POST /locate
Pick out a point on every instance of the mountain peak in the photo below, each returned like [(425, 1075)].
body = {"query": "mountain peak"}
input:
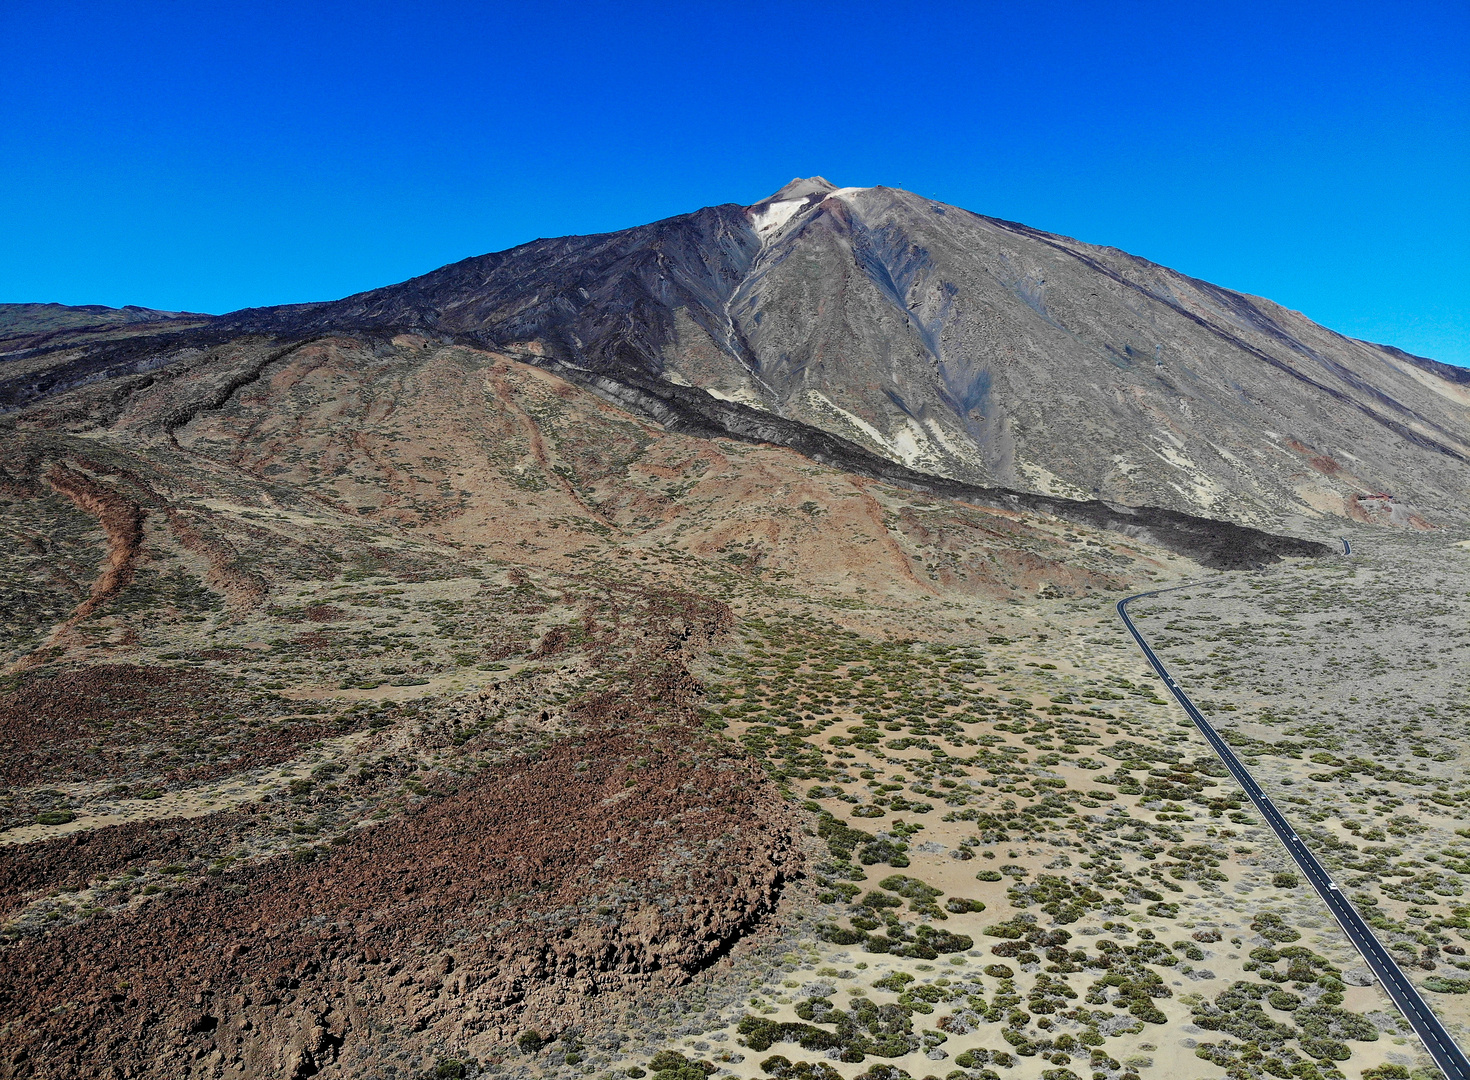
[(800, 188)]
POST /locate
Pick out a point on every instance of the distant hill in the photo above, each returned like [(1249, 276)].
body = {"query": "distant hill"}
[(18, 319)]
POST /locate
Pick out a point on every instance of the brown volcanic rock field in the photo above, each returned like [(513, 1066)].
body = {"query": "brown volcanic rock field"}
[(105, 722), (599, 863), (70, 863)]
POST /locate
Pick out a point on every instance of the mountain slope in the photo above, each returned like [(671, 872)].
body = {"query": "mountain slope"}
[(980, 348), (967, 347), (956, 345)]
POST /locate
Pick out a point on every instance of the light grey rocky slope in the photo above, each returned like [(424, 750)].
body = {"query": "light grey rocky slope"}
[(992, 352)]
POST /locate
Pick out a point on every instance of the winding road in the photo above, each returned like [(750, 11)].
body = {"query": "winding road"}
[(1449, 1057)]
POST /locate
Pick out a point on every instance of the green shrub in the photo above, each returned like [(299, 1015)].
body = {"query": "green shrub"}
[(884, 1072), (959, 906), (919, 894), (782, 1069), (894, 982), (840, 935), (884, 851), (761, 1034), (1273, 928), (1442, 984), (1146, 1011), (531, 1040), (1324, 1048), (932, 940), (672, 1065)]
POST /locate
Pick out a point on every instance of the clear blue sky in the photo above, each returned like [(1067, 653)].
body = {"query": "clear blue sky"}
[(209, 156)]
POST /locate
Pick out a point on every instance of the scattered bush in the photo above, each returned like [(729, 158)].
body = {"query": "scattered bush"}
[(531, 1040), (895, 981), (672, 1065), (1273, 927), (1442, 984), (782, 1069), (1386, 1072), (959, 906), (919, 894), (884, 1072)]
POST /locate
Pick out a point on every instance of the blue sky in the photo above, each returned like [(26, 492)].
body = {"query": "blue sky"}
[(210, 156)]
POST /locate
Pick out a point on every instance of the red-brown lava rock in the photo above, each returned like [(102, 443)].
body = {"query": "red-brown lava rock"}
[(131, 720), (71, 862), (606, 861)]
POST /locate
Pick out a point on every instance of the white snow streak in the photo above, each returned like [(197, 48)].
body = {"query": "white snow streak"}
[(768, 222)]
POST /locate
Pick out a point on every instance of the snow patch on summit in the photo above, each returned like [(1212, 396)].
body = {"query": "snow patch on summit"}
[(768, 222), (769, 218)]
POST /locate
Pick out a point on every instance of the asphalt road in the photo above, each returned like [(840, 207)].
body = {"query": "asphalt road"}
[(1449, 1057)]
